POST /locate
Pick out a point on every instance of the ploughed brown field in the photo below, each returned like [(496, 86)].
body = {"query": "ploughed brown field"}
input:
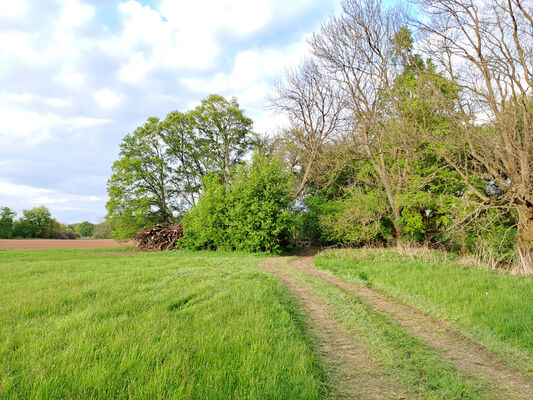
[(29, 244)]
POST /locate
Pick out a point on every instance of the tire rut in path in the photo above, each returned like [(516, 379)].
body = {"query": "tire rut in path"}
[(463, 353), (354, 373)]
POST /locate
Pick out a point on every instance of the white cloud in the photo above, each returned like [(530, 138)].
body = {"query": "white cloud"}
[(31, 98), (252, 79), (208, 16), (106, 98), (63, 60), (135, 70), (13, 9), (22, 128), (19, 45), (75, 13), (72, 79), (21, 196)]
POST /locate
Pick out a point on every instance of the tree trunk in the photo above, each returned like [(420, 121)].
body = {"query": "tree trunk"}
[(397, 223), (525, 239)]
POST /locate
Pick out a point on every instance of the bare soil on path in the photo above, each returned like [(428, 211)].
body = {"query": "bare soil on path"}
[(354, 374), (501, 381), (34, 244)]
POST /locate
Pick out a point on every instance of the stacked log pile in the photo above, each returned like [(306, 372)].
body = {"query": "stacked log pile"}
[(159, 238)]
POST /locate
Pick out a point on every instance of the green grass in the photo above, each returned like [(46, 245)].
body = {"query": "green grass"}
[(175, 325), (494, 309)]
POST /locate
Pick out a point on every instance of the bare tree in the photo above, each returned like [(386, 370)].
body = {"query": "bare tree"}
[(315, 108), (358, 50), (486, 48)]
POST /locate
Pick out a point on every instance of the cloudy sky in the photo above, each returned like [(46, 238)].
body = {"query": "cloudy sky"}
[(78, 75)]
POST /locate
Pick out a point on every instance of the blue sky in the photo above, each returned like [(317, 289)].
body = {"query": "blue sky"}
[(77, 76)]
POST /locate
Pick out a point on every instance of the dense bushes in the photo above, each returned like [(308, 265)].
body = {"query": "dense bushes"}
[(252, 213)]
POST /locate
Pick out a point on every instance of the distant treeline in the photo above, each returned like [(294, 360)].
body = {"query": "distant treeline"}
[(39, 223)]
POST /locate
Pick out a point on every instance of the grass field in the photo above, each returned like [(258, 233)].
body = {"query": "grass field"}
[(494, 309), (115, 324), (90, 324)]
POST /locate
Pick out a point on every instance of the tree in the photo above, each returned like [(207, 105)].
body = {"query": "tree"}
[(316, 110), (190, 154), (84, 229), (486, 49), (159, 173), (35, 223), (102, 230), (142, 189), (6, 222), (251, 214), (224, 134)]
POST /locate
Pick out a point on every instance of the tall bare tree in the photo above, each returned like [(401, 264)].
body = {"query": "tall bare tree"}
[(315, 108), (486, 48)]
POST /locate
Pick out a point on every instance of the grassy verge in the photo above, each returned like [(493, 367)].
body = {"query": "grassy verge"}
[(86, 324), (494, 309)]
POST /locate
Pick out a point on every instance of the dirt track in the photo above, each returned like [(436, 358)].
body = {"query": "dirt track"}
[(355, 371), (29, 244)]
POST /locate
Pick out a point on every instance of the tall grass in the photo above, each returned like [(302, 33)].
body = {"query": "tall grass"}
[(178, 325), (493, 308)]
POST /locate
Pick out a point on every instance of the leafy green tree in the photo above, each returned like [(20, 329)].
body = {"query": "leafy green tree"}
[(102, 230), (22, 229), (260, 198), (161, 165), (35, 223), (84, 229), (61, 231), (142, 190), (190, 154), (6, 222), (205, 226), (224, 134)]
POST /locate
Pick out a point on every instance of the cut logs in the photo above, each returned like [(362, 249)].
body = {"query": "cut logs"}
[(159, 238)]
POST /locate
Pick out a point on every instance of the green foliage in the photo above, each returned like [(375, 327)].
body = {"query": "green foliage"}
[(141, 189), (60, 231), (259, 206), (205, 225), (307, 224), (360, 217), (102, 230), (35, 223), (252, 214), (85, 229), (6, 222), (161, 165), (224, 133)]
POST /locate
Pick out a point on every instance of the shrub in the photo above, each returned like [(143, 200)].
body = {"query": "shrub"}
[(251, 214), (205, 225)]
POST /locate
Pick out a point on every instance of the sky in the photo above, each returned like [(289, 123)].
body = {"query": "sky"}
[(76, 76)]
